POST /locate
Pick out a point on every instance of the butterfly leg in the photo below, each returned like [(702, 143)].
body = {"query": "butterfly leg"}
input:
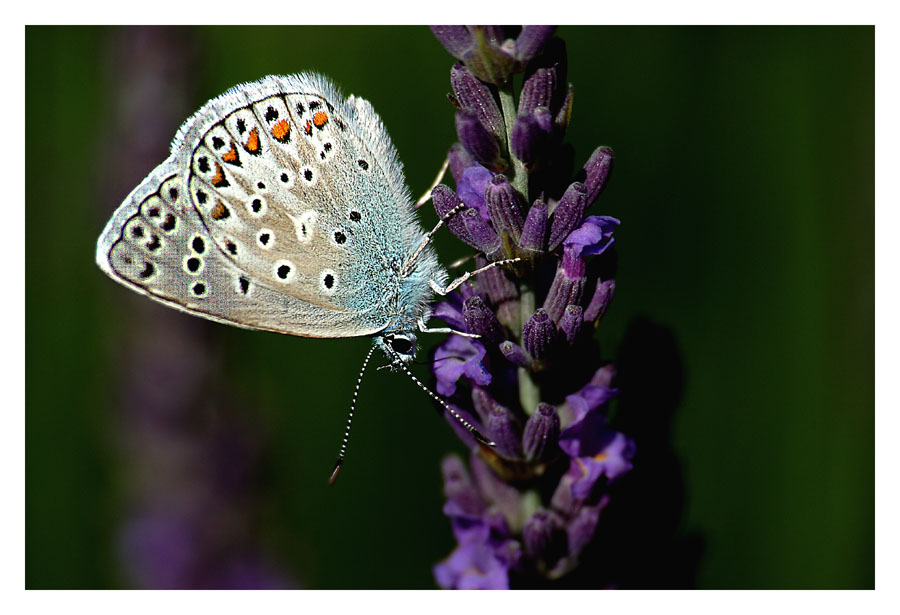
[(455, 283), (426, 329), (427, 196), (411, 263)]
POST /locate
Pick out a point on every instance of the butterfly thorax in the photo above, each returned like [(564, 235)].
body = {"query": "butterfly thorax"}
[(410, 305)]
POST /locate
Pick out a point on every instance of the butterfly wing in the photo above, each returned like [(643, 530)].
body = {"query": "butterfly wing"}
[(282, 207)]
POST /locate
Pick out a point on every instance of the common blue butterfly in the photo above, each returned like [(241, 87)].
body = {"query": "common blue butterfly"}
[(282, 207)]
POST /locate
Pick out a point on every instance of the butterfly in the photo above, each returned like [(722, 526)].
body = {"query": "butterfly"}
[(283, 207)]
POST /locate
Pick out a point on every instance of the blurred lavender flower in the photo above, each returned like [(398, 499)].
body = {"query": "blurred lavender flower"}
[(524, 511), (189, 463)]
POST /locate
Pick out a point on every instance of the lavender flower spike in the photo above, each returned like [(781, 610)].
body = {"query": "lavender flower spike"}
[(528, 507)]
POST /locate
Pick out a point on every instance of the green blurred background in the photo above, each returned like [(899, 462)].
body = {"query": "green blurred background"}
[(745, 184)]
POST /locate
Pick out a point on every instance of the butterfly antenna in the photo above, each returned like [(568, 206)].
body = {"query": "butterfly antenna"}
[(340, 461), (475, 433), (432, 362)]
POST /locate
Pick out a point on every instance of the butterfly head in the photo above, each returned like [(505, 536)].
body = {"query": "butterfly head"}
[(400, 347)]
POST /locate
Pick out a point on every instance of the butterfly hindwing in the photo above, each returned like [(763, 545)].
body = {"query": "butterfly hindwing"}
[(159, 247)]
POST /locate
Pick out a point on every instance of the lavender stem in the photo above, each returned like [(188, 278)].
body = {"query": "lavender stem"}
[(518, 177), (529, 393)]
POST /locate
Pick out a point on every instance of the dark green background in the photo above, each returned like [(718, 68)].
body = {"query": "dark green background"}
[(744, 180)]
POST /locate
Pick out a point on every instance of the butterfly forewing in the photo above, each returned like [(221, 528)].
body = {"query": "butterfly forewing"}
[(293, 195)]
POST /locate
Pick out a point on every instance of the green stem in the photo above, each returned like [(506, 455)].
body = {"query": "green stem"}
[(529, 394), (518, 177)]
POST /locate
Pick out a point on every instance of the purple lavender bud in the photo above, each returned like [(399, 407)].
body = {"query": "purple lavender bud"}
[(563, 498), (541, 439), (483, 402), (501, 292), (444, 200), (461, 432), (458, 487), (544, 537), (531, 40), (483, 236), (455, 39), (597, 170), (568, 214), (537, 91), (554, 55), (530, 136), (507, 498), (472, 94), (564, 114), (571, 322), (539, 334), (534, 233), (466, 290), (478, 140), (495, 284), (603, 377), (516, 354), (491, 57), (567, 286), (459, 160), (505, 430), (482, 321), (581, 529), (603, 295), (503, 205)]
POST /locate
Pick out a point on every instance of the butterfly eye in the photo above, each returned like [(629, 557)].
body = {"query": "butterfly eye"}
[(400, 345)]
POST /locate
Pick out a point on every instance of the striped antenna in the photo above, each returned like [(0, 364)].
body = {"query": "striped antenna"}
[(475, 433), (340, 461)]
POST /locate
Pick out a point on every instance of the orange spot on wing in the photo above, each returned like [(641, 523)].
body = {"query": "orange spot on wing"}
[(219, 211), (252, 144), (308, 128), (320, 119), (218, 179), (281, 130), (231, 156)]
